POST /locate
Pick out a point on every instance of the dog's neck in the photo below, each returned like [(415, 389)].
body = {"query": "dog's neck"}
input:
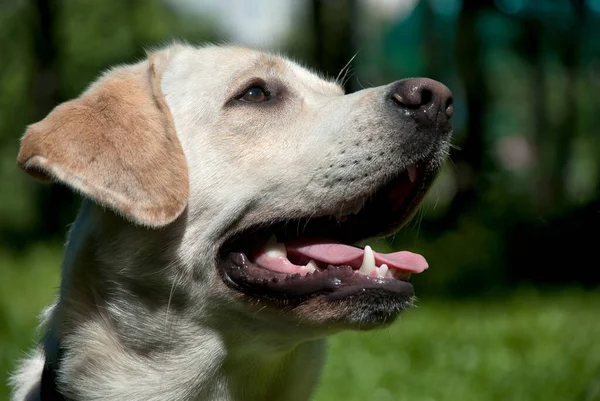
[(286, 376), (126, 335), (289, 376)]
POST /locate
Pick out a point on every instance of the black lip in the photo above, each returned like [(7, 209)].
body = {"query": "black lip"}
[(335, 282)]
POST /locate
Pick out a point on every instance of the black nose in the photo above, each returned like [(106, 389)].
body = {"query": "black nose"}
[(431, 101)]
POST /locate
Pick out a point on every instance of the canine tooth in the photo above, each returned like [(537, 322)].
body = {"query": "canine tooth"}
[(382, 270), (368, 263), (412, 172), (312, 265), (274, 249)]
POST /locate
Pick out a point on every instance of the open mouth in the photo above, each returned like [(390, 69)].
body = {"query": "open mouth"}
[(299, 259)]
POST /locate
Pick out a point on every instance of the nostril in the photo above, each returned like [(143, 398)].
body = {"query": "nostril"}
[(449, 107), (413, 99), (426, 96), (398, 99)]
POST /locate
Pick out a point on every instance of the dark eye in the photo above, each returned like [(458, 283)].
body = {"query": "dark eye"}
[(255, 95)]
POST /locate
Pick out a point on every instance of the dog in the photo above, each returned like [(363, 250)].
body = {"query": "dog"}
[(222, 187)]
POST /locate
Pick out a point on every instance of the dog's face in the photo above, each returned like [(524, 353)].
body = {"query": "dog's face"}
[(280, 156), (281, 173)]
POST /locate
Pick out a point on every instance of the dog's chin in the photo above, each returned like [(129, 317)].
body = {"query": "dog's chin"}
[(308, 267), (363, 310)]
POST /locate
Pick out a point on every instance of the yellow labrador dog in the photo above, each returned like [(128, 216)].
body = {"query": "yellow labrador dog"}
[(223, 188)]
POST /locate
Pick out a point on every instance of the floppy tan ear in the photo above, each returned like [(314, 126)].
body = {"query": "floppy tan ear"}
[(115, 144)]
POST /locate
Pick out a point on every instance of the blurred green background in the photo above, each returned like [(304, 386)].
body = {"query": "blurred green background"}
[(510, 308)]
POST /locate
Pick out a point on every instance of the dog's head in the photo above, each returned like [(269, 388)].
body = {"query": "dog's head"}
[(263, 171)]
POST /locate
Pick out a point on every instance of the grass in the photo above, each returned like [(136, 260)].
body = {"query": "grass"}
[(528, 346), (27, 284)]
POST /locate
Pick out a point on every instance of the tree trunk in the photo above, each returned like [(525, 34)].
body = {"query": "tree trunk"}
[(333, 24), (52, 200), (567, 129), (542, 139), (470, 160)]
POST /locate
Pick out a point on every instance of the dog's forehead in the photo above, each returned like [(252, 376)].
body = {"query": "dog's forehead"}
[(292, 73), (314, 81), (233, 62)]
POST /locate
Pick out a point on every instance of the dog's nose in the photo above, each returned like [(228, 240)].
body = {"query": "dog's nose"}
[(430, 100)]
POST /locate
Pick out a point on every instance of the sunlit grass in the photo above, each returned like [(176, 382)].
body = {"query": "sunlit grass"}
[(27, 284), (526, 347)]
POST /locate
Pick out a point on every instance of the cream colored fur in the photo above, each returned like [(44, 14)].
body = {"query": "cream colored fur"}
[(168, 170)]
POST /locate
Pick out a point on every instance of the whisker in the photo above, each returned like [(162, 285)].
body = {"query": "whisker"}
[(349, 74), (345, 68), (420, 215), (359, 83)]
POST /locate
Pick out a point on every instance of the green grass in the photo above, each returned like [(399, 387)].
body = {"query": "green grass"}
[(521, 348), (528, 347), (27, 284)]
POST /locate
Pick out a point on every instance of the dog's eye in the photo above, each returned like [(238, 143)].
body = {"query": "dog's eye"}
[(255, 94)]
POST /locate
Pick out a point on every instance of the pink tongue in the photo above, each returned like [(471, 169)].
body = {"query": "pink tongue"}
[(335, 253)]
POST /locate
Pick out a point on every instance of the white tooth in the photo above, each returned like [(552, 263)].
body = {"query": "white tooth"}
[(382, 270), (274, 249), (312, 265), (412, 172), (368, 263), (389, 274)]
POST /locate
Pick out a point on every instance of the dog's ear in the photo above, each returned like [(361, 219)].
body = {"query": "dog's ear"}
[(115, 144)]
